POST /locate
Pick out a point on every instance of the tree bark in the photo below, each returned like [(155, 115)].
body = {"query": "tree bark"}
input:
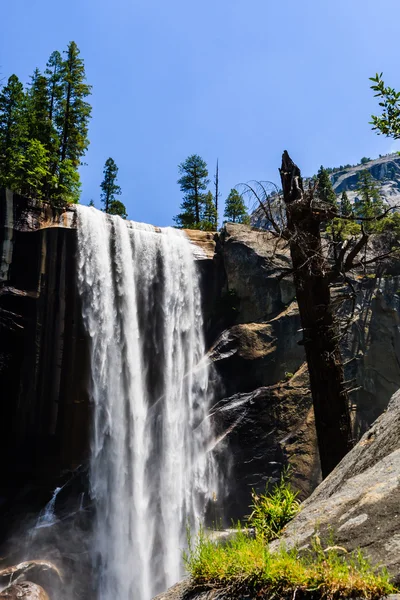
[(321, 335)]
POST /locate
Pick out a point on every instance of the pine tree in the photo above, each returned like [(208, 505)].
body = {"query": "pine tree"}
[(117, 208), (325, 192), (38, 121), (193, 182), (109, 185), (54, 73), (346, 208), (13, 132), (74, 112), (209, 214), (32, 170), (369, 204), (235, 208)]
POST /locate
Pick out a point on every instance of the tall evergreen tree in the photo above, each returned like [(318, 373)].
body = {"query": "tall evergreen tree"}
[(13, 131), (193, 182), (39, 125), (109, 185), (209, 214), (54, 74), (346, 208), (325, 191), (235, 208), (369, 204), (74, 113)]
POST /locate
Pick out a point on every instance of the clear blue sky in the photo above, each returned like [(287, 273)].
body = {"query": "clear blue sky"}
[(240, 80)]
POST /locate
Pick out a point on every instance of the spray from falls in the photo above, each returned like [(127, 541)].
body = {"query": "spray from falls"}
[(151, 474)]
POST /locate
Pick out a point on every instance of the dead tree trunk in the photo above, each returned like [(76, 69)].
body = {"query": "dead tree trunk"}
[(320, 333)]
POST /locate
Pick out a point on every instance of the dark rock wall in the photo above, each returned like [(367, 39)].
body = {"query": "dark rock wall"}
[(43, 354)]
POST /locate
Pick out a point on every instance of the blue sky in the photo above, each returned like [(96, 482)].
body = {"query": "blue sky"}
[(240, 80)]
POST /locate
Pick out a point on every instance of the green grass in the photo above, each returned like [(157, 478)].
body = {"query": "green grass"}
[(273, 509), (245, 565)]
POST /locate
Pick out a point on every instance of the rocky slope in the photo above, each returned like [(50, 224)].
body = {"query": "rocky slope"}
[(385, 170)]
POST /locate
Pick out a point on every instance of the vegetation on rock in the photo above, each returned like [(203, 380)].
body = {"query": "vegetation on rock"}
[(44, 130), (245, 564), (110, 189), (235, 208)]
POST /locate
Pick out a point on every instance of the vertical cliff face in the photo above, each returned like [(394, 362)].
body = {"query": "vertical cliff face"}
[(43, 353), (263, 413)]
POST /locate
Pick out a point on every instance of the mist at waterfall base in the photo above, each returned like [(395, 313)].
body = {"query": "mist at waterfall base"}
[(151, 474)]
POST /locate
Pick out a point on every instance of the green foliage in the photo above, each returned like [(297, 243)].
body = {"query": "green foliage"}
[(32, 170), (68, 188), (193, 182), (390, 224), (341, 229), (13, 130), (117, 208), (370, 204), (274, 509), (209, 214), (364, 160), (325, 191), (235, 208), (74, 112), (246, 567), (43, 131), (109, 186), (388, 123), (346, 209)]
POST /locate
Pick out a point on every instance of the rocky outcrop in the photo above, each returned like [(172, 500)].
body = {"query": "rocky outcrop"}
[(359, 501), (27, 580), (24, 591)]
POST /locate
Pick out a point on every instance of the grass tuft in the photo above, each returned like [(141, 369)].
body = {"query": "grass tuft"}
[(245, 565)]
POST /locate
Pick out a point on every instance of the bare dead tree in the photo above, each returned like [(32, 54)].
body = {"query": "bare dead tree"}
[(217, 193), (297, 217)]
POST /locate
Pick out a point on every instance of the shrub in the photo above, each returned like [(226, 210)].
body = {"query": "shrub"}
[(274, 509)]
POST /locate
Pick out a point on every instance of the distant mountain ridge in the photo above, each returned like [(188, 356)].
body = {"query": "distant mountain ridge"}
[(385, 170)]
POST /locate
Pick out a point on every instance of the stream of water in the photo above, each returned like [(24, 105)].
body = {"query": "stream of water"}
[(150, 474)]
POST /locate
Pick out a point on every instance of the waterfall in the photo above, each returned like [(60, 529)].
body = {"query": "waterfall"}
[(150, 473)]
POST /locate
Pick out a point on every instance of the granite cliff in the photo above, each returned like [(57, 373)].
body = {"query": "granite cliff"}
[(263, 414)]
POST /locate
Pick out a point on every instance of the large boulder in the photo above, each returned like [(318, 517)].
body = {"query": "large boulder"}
[(359, 503), (25, 590)]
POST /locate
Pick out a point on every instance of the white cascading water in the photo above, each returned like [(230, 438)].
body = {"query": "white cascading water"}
[(151, 474)]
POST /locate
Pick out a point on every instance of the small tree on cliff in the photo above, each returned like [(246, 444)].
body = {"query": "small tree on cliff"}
[(193, 182), (235, 208), (325, 192), (346, 208), (209, 214), (370, 203), (109, 185)]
